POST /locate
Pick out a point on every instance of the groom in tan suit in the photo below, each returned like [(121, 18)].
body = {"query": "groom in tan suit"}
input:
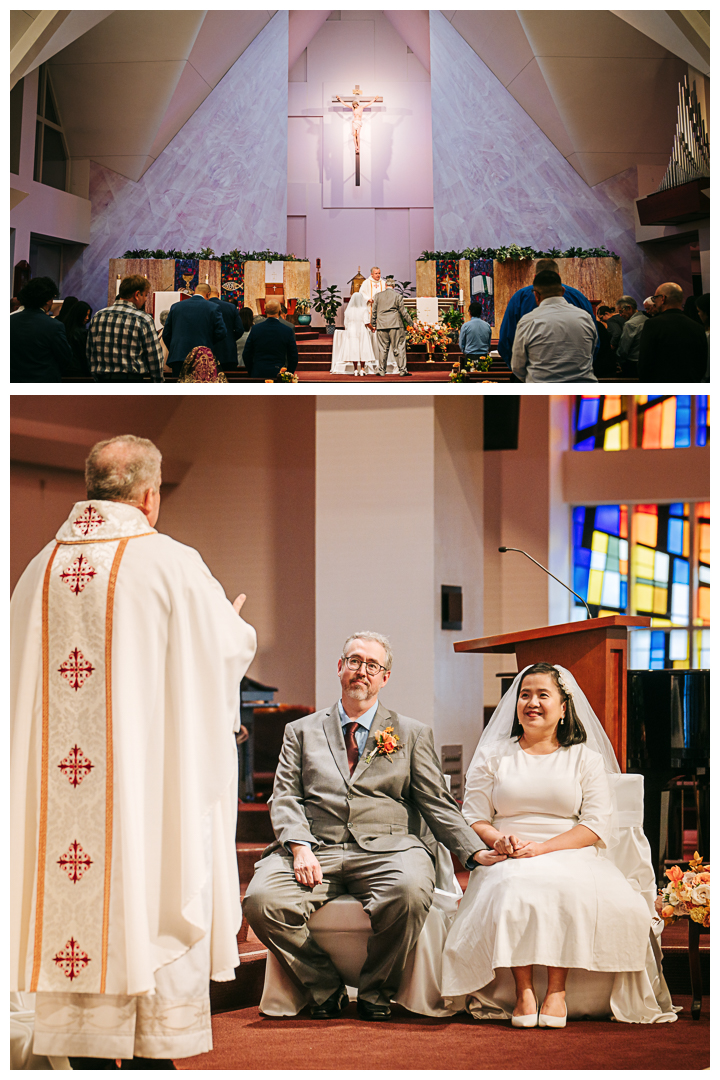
[(390, 317), (357, 809)]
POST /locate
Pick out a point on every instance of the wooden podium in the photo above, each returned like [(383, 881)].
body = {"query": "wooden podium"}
[(595, 651)]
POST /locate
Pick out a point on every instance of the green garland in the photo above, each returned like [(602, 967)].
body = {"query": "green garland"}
[(208, 253), (503, 254)]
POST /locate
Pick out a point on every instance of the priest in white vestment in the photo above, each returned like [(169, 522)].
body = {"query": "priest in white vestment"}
[(372, 286), (126, 663)]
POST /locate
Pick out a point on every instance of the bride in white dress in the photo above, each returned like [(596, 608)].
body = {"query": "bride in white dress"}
[(538, 792), (352, 347)]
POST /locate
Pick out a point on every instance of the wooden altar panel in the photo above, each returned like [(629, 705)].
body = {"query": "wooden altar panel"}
[(425, 279), (508, 277), (210, 268), (254, 284), (296, 280), (464, 282), (598, 279), (159, 272)]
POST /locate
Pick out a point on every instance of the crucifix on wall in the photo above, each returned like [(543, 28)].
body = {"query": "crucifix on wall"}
[(357, 105)]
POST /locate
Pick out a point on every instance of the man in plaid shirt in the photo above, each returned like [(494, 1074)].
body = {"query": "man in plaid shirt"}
[(122, 343)]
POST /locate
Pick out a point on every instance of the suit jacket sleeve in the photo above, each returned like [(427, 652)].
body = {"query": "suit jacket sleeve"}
[(436, 804), (406, 317), (645, 356), (249, 350), (373, 316), (287, 809), (238, 328), (219, 330), (167, 328), (292, 351), (508, 328)]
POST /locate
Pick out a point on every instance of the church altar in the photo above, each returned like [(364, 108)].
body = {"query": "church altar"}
[(597, 278), (248, 282)]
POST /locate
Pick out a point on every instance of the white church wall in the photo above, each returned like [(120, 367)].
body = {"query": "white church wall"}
[(389, 220)]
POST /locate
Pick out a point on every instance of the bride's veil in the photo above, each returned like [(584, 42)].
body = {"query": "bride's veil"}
[(357, 309), (498, 728)]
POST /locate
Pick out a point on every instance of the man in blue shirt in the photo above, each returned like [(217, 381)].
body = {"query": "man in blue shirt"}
[(475, 334), (524, 300)]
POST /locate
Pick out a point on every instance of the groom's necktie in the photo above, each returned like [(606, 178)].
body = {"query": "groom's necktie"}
[(351, 745)]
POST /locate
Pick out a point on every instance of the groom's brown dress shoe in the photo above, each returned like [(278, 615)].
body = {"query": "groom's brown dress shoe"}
[(331, 1008), (367, 1010)]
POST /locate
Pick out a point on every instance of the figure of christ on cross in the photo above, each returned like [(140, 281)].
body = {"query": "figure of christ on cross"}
[(357, 111)]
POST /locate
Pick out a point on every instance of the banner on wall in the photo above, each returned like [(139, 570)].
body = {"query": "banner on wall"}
[(447, 279), (481, 288), (232, 282), (187, 273)]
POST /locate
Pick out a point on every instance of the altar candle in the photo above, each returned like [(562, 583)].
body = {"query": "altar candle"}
[(461, 296), (117, 285), (207, 280)]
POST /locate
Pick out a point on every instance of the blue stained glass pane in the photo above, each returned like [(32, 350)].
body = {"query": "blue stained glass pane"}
[(588, 413), (675, 536), (623, 594), (581, 577), (701, 413), (586, 444), (654, 397), (683, 401), (677, 509), (607, 519), (579, 514), (681, 571), (682, 436), (582, 556), (657, 639)]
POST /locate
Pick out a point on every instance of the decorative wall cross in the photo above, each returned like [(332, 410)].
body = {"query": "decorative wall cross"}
[(357, 107)]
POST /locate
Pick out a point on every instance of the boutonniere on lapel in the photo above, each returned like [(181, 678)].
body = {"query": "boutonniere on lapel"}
[(386, 742)]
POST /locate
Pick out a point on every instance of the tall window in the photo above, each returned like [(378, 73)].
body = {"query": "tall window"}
[(648, 422), (652, 560), (50, 151)]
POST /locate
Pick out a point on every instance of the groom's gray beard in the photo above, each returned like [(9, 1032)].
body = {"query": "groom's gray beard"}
[(359, 692)]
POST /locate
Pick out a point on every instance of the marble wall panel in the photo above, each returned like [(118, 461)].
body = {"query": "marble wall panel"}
[(254, 284), (498, 179), (296, 280), (220, 183)]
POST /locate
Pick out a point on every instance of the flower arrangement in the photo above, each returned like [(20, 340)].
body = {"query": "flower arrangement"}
[(430, 334), (386, 742), (452, 318), (287, 376), (459, 373), (514, 251), (687, 894)]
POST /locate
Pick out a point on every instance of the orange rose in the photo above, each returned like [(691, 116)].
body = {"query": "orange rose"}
[(389, 745), (674, 873), (667, 911)]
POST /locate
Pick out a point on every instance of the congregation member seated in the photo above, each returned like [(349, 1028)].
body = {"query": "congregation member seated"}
[(192, 322), (475, 334), (227, 350), (628, 347), (523, 301), (201, 366), (539, 792), (673, 347), (270, 345), (246, 318), (39, 348), (76, 324), (555, 341)]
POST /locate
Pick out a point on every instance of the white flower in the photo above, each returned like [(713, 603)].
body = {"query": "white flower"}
[(701, 894)]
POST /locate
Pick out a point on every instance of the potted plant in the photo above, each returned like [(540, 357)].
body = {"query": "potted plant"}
[(328, 302), (453, 320), (302, 307)]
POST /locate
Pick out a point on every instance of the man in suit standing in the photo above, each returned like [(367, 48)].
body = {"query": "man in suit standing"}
[(271, 344), (390, 318), (191, 323), (357, 813), (226, 354), (39, 348)]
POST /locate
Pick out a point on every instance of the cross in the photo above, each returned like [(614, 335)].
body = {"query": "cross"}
[(76, 669), (78, 574), (75, 862), (447, 281), (357, 107), (89, 521), (71, 959), (75, 766)]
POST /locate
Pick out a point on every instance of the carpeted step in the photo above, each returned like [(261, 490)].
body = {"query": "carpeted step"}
[(247, 855), (253, 824)]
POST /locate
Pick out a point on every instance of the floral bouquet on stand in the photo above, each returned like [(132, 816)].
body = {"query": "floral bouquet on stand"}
[(459, 373), (287, 376), (430, 335), (687, 895)]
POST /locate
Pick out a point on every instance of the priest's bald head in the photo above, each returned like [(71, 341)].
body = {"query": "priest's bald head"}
[(126, 469)]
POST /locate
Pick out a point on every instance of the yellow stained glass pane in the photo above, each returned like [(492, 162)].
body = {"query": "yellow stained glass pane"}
[(703, 605), (625, 434), (644, 562), (607, 611), (641, 399), (643, 597), (683, 664), (657, 621), (645, 529), (686, 540), (667, 431), (704, 543), (595, 587), (613, 438), (599, 541), (612, 406), (659, 601)]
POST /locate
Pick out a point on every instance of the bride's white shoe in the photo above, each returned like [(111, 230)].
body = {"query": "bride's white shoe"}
[(547, 1021), (529, 1020)]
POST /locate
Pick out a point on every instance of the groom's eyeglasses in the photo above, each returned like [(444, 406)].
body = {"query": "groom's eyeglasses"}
[(355, 663)]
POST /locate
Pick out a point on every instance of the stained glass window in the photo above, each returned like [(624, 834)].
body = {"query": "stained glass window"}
[(668, 578), (659, 422), (601, 423)]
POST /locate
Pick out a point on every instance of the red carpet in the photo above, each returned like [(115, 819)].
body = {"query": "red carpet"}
[(244, 1040)]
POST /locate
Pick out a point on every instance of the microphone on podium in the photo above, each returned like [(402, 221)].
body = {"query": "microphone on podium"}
[(502, 550)]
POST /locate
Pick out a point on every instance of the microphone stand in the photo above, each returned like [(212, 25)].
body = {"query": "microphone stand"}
[(504, 549)]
